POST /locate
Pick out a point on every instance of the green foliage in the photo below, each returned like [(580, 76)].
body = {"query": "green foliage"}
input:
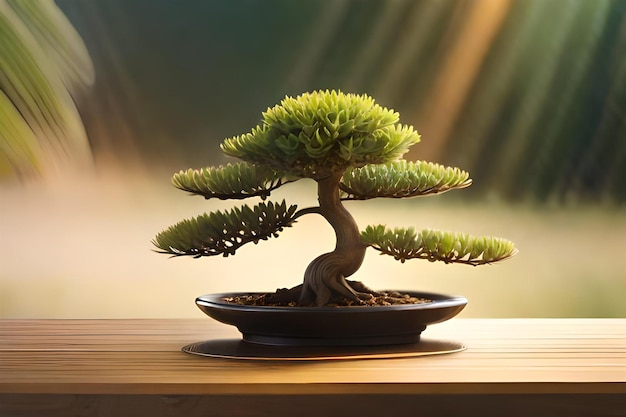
[(353, 148), (323, 132), (402, 179), (42, 62), (18, 145), (435, 245), (233, 181), (63, 46), (222, 233)]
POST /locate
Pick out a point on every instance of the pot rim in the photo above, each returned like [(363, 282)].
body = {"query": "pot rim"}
[(438, 301)]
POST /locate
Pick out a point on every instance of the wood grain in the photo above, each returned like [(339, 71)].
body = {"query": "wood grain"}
[(512, 367), (326, 405), (507, 356)]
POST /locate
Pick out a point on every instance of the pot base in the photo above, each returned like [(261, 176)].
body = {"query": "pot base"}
[(239, 349), (396, 339), (332, 326)]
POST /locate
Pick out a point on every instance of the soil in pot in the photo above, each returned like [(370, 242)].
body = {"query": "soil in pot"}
[(289, 297)]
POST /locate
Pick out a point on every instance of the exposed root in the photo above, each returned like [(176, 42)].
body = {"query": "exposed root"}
[(324, 278)]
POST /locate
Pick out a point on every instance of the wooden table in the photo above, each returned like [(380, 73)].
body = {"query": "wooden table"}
[(512, 367)]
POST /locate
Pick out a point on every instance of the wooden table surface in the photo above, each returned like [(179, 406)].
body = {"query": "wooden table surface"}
[(506, 358)]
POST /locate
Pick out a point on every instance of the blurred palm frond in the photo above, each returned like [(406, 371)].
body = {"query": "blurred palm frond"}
[(43, 62)]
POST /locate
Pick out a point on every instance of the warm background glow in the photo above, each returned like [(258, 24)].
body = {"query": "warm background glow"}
[(527, 95)]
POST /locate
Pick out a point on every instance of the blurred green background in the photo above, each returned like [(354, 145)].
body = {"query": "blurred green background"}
[(101, 101)]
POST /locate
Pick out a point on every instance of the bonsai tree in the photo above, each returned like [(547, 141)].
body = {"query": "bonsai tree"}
[(353, 148)]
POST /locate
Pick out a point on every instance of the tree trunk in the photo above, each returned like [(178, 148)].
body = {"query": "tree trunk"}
[(324, 278)]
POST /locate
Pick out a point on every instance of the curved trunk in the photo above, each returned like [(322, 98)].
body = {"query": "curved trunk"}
[(325, 276)]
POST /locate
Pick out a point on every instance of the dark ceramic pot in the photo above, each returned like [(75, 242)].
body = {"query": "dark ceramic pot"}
[(332, 326)]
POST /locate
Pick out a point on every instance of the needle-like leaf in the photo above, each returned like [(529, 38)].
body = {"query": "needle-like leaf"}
[(402, 179), (222, 233), (435, 245), (232, 181)]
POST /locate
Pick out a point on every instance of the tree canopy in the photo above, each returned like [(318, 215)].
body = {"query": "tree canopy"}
[(353, 149), (322, 132)]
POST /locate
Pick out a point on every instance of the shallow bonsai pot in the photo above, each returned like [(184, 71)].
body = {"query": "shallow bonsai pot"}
[(332, 326)]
